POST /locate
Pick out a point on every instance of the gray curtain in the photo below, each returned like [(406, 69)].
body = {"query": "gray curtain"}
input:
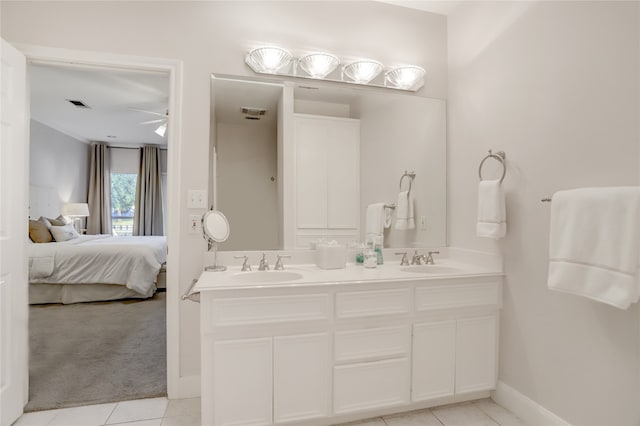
[(99, 220), (148, 218)]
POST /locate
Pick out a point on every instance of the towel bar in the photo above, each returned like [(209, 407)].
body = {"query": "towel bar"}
[(500, 156), (194, 296)]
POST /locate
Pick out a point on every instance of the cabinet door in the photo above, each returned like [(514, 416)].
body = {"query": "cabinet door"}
[(311, 173), (476, 354), (434, 355), (301, 377), (370, 385), (242, 388), (343, 174)]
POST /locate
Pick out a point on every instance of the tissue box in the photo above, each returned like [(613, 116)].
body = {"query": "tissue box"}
[(331, 255)]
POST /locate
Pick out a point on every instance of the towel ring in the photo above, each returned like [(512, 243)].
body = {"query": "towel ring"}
[(410, 175), (500, 156)]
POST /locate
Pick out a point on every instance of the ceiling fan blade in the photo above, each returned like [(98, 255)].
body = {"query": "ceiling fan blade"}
[(149, 112), (161, 120)]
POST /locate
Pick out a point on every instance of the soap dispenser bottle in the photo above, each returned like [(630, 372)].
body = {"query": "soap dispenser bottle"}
[(378, 249)]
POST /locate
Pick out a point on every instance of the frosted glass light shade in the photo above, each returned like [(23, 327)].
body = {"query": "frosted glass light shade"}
[(268, 59), (75, 209), (362, 71), (318, 65), (405, 77), (161, 130)]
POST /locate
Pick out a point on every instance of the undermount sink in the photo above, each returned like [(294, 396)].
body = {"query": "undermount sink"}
[(265, 277), (430, 269)]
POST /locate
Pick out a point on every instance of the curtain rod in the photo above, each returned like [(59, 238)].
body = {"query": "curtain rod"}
[(122, 147)]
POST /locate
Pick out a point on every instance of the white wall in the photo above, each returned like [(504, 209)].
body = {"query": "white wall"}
[(214, 37), (555, 85), (58, 161), (247, 156)]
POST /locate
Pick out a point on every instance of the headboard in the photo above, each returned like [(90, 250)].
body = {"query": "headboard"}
[(43, 201)]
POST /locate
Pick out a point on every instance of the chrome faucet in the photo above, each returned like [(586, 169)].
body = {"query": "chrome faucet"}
[(404, 261), (264, 265), (417, 258), (245, 265), (279, 265), (429, 259)]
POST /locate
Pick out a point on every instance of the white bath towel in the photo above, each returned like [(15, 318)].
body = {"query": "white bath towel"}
[(375, 220), (594, 244), (492, 216), (404, 211)]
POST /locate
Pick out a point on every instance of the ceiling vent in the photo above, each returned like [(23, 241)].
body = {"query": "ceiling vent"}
[(78, 104), (253, 113)]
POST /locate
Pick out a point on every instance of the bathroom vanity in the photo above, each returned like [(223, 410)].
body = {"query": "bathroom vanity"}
[(306, 346)]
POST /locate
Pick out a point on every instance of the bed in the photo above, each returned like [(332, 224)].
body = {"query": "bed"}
[(95, 268)]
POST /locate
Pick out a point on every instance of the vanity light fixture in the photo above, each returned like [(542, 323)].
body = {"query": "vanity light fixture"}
[(318, 65), (268, 60), (404, 77), (362, 72)]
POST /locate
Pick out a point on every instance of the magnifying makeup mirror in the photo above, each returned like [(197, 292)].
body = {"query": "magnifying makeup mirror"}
[(215, 229)]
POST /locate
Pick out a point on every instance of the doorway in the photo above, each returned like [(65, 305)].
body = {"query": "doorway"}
[(60, 57)]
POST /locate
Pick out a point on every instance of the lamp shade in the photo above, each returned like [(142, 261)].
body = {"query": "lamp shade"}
[(405, 77), (75, 209), (362, 72), (268, 59)]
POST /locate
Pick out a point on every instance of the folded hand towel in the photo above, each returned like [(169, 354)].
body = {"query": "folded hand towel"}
[(375, 219), (594, 244), (492, 217), (387, 217), (404, 211)]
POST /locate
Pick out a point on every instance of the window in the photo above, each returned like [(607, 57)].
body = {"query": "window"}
[(123, 199)]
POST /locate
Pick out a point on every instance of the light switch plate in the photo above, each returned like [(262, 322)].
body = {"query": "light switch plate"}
[(197, 199)]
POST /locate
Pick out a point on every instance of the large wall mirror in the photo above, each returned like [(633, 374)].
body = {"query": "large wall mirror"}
[(292, 163)]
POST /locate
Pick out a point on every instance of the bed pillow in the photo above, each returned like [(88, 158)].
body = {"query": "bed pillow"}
[(38, 232), (64, 233), (59, 221)]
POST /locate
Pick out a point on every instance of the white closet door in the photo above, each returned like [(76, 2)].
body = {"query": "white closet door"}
[(343, 174), (243, 386), (14, 166), (311, 173), (476, 354), (302, 375), (434, 354)]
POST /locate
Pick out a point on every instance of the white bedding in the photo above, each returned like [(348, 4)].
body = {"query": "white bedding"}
[(99, 259)]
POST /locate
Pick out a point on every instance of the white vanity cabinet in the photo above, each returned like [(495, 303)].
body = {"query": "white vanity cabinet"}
[(327, 178), (321, 353)]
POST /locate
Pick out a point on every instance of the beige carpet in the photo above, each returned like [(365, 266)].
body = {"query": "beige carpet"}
[(90, 353)]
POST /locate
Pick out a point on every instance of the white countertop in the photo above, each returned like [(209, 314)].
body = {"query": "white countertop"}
[(310, 275)]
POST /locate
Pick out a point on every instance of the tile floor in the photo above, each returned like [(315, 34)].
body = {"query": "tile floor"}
[(186, 412)]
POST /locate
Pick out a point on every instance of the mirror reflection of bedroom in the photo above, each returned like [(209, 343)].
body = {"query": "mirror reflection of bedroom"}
[(97, 245)]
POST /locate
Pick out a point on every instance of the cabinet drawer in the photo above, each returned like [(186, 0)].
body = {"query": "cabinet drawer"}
[(270, 309), (371, 344), (358, 387), (370, 303), (457, 296)]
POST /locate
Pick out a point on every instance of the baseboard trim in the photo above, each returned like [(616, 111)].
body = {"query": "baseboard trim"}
[(185, 387), (524, 407)]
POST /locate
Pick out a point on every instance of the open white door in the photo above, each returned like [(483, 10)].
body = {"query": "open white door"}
[(14, 167)]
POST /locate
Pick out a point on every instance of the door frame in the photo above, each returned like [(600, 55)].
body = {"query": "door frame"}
[(177, 387)]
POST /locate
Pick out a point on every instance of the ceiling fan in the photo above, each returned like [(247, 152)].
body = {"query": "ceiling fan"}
[(162, 128)]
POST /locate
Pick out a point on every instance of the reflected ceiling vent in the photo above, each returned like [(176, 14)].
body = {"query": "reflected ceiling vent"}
[(78, 104), (253, 113)]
